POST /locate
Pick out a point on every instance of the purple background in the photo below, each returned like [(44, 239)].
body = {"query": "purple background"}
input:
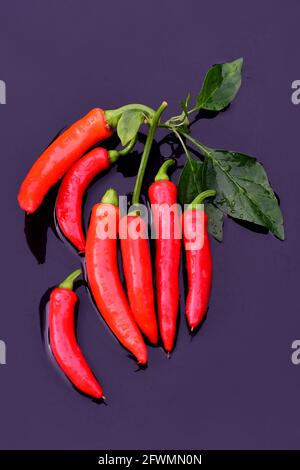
[(233, 385)]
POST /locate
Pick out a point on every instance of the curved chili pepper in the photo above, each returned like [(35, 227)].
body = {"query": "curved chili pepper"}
[(198, 259), (163, 198), (103, 275), (63, 341), (60, 155), (69, 199), (138, 274)]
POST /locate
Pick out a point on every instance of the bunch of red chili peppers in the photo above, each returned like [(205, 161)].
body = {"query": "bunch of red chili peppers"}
[(130, 315)]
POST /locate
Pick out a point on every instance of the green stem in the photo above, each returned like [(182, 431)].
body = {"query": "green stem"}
[(187, 136), (69, 281), (110, 197), (180, 118), (200, 198), (162, 172), (112, 116), (191, 111), (146, 153), (115, 154), (178, 134), (202, 147)]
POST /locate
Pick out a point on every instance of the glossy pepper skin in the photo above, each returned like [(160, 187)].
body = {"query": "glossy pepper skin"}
[(138, 274), (198, 262), (69, 201), (104, 280), (55, 161), (163, 195), (63, 342)]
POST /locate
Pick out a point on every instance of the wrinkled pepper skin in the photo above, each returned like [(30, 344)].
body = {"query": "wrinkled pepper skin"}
[(138, 275), (167, 260), (64, 345), (105, 284), (199, 267), (70, 195), (55, 161)]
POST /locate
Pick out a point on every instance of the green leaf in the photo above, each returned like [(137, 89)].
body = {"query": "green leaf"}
[(129, 124), (221, 84), (243, 189), (190, 185), (215, 221), (190, 181)]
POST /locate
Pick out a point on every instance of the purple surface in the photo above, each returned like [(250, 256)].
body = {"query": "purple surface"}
[(233, 385)]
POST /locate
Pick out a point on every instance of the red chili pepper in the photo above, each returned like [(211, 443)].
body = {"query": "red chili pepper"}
[(74, 184), (136, 253), (163, 198), (70, 195), (63, 341), (198, 259), (138, 274), (60, 155), (103, 275)]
